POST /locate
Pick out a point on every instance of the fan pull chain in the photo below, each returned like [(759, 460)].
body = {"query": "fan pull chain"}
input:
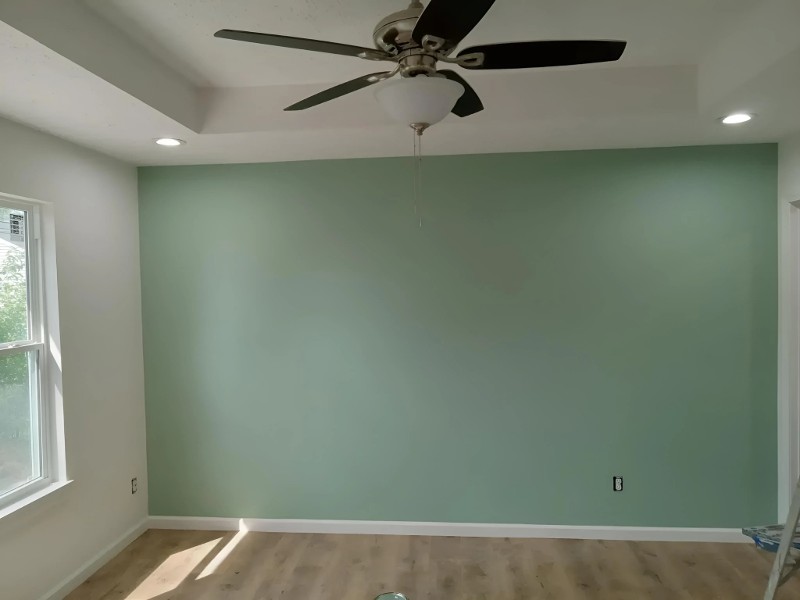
[(417, 174), (415, 179), (414, 174)]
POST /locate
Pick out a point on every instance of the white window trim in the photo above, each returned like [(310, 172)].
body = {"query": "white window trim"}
[(42, 281)]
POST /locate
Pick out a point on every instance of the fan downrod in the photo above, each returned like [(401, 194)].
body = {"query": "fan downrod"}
[(393, 33), (393, 36)]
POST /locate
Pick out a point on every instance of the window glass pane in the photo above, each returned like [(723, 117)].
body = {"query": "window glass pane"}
[(20, 452), (13, 276)]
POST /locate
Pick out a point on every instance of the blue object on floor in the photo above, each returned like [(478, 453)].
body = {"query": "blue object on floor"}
[(769, 538)]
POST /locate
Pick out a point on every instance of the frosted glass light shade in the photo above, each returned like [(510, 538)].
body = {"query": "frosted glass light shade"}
[(419, 100)]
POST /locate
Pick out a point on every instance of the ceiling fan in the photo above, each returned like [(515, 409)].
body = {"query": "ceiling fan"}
[(418, 38)]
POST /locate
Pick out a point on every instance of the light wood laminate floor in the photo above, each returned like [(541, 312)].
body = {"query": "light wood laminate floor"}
[(194, 565)]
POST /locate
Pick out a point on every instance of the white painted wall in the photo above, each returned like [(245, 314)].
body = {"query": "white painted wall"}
[(788, 321), (97, 242)]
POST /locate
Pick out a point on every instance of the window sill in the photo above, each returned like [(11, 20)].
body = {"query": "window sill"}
[(43, 494)]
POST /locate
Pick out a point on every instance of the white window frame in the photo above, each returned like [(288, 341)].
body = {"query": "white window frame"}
[(44, 342)]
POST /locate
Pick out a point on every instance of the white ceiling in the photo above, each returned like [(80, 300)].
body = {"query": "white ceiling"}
[(182, 32), (114, 74)]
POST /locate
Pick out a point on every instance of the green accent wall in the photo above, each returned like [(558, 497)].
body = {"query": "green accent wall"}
[(560, 318)]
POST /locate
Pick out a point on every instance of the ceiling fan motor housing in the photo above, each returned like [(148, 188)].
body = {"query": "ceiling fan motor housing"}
[(393, 33)]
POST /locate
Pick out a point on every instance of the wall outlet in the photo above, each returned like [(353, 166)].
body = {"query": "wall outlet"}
[(134, 485), (617, 482)]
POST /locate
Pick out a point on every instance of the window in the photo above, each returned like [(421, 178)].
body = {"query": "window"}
[(26, 435)]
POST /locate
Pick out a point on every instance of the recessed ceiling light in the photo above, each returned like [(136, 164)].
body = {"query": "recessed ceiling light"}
[(737, 118), (170, 142)]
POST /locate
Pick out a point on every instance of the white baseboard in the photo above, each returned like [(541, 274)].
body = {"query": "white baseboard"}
[(654, 534), (89, 568)]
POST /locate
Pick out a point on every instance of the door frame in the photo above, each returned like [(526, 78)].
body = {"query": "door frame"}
[(788, 352)]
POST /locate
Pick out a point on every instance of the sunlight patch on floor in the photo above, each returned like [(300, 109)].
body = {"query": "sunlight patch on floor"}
[(215, 562), (171, 573)]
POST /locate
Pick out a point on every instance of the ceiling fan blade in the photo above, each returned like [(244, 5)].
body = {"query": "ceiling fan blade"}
[(526, 55), (450, 20), (339, 90), (469, 103), (284, 41)]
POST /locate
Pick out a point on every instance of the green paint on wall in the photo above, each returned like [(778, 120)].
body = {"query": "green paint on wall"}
[(559, 319)]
